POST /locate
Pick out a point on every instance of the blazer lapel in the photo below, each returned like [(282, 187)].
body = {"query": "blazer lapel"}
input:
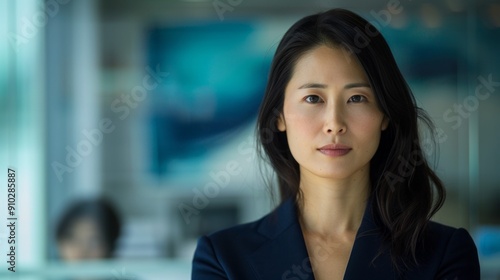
[(366, 246), (284, 255)]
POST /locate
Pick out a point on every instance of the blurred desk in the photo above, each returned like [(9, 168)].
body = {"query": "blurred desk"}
[(150, 270), (490, 268), (109, 270)]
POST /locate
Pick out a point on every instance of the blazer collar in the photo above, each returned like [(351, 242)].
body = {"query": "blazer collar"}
[(284, 254)]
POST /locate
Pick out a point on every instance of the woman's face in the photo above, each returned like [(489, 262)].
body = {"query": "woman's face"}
[(330, 115)]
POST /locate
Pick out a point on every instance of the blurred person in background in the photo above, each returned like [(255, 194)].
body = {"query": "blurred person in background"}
[(88, 230)]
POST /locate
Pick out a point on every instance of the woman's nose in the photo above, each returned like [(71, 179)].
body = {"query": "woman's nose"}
[(334, 120)]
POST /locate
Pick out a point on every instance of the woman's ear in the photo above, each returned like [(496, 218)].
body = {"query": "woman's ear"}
[(385, 123), (280, 123)]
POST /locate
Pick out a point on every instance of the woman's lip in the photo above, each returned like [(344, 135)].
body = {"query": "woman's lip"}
[(335, 150), (335, 147)]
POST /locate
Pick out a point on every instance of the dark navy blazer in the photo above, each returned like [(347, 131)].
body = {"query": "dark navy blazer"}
[(273, 248)]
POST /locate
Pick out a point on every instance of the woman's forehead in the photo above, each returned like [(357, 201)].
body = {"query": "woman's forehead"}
[(326, 65)]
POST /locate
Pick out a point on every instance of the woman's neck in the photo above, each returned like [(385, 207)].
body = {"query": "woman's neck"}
[(333, 207)]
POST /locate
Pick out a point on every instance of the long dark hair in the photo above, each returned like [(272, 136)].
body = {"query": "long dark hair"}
[(406, 192)]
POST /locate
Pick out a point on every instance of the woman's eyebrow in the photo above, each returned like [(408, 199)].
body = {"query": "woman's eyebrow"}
[(348, 86), (312, 85), (355, 85)]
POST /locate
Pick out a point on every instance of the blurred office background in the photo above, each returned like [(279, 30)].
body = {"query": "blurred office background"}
[(152, 104)]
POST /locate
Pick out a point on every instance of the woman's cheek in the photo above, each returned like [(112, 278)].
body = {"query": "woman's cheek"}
[(310, 124), (368, 117)]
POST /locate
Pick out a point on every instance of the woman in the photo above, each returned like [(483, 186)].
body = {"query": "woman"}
[(338, 124)]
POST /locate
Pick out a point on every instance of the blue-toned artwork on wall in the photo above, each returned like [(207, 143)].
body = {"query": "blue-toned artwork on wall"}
[(217, 73)]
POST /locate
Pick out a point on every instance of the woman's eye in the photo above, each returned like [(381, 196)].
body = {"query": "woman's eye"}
[(357, 99), (312, 99)]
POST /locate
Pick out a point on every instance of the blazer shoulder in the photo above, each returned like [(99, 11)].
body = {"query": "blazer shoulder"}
[(441, 231), (223, 254), (267, 227), (455, 252), (237, 231), (447, 237)]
